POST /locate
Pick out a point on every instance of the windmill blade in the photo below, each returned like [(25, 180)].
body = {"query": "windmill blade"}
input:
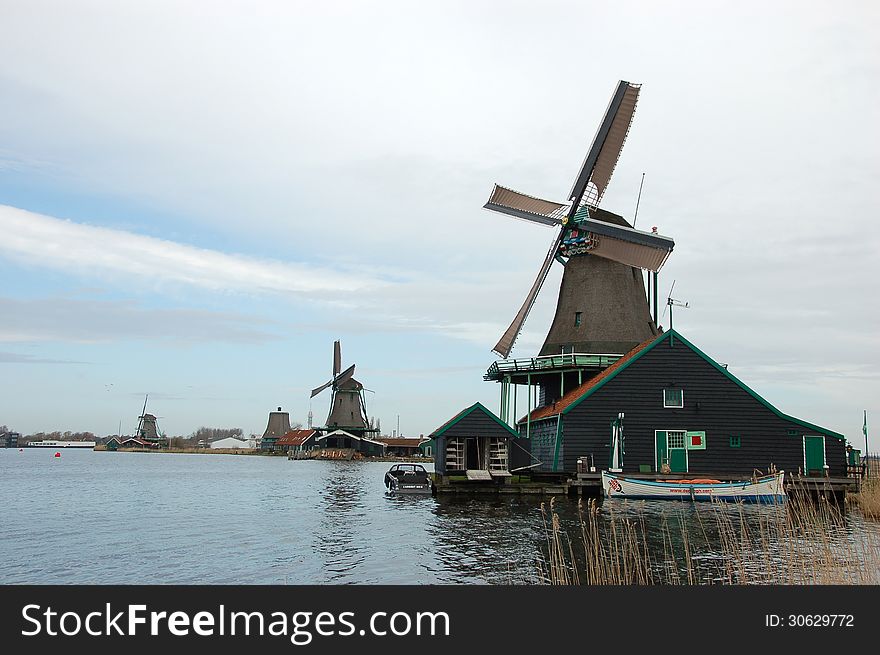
[(318, 390), (505, 343), (519, 205), (345, 376), (645, 250), (605, 151), (337, 358)]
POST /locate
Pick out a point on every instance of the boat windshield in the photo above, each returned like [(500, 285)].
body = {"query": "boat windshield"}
[(416, 468)]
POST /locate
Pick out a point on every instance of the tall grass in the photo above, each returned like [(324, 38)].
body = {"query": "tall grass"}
[(801, 542), (868, 498)]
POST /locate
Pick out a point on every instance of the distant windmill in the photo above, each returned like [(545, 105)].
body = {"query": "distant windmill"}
[(347, 404), (148, 429), (602, 306)]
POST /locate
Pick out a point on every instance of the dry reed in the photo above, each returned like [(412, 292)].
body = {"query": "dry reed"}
[(804, 541), (868, 498)]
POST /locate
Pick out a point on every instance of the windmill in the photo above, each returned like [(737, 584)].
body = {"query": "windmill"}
[(347, 404), (602, 306), (147, 429)]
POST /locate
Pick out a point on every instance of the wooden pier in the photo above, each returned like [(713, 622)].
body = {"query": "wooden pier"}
[(589, 485), (507, 486)]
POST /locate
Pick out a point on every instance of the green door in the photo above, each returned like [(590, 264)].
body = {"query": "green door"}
[(678, 460), (661, 457), (676, 445), (814, 455)]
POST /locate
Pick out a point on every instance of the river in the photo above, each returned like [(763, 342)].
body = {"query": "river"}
[(149, 518)]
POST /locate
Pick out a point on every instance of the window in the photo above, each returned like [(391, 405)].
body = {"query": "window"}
[(675, 439), (673, 398), (735, 441), (577, 319)]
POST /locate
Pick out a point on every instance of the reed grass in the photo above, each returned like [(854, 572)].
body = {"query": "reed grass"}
[(868, 498), (804, 541)]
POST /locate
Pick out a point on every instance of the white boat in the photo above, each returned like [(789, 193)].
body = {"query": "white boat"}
[(61, 444), (766, 489)]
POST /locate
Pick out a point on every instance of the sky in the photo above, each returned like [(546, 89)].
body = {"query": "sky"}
[(197, 199)]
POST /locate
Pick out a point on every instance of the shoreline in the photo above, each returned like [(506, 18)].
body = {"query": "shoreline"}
[(242, 451)]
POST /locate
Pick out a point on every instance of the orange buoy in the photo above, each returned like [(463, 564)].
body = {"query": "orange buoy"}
[(57, 454)]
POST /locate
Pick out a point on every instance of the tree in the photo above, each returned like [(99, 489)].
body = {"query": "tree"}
[(212, 434)]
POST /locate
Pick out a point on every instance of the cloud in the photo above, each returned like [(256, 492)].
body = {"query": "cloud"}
[(94, 321), (49, 242), (16, 358)]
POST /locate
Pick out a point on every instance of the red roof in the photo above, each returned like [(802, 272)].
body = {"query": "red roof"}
[(401, 441), (295, 437), (572, 396)]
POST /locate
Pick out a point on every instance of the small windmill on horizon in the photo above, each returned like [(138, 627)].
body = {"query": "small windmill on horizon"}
[(348, 407)]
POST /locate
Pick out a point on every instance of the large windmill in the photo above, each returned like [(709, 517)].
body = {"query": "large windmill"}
[(347, 404), (602, 308)]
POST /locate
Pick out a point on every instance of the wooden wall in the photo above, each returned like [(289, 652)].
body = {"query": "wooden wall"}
[(712, 403)]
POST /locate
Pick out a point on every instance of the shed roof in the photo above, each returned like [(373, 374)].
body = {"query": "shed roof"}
[(295, 437), (476, 407), (579, 391), (574, 397), (405, 442)]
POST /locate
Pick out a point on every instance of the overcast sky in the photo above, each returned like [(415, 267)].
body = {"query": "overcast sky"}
[(197, 198)]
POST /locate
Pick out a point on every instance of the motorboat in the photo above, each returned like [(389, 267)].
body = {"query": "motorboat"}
[(408, 479)]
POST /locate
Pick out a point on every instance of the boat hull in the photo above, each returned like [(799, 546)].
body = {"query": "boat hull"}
[(767, 489), (410, 488), (408, 484)]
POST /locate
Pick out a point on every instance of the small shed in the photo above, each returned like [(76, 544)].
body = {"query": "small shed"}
[(346, 440), (403, 446), (296, 441), (474, 443)]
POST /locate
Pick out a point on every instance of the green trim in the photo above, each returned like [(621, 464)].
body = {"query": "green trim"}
[(558, 442), (668, 335), (466, 412), (735, 441)]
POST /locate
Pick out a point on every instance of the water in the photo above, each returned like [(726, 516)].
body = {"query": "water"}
[(144, 518)]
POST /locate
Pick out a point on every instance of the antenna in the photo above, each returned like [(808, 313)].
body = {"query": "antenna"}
[(672, 302)]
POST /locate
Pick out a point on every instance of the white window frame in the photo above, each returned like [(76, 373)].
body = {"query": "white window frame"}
[(663, 392), (683, 434)]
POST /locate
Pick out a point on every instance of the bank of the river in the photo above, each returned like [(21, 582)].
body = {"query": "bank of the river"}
[(243, 451)]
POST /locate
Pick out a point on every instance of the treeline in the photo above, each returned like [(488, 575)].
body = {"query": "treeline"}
[(61, 436), (212, 434)]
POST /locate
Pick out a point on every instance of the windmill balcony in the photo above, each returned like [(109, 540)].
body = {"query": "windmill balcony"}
[(548, 363)]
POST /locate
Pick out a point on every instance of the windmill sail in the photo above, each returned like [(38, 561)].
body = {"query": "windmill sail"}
[(337, 358), (336, 381), (602, 157), (318, 390), (623, 244), (505, 343), (345, 376), (519, 205)]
